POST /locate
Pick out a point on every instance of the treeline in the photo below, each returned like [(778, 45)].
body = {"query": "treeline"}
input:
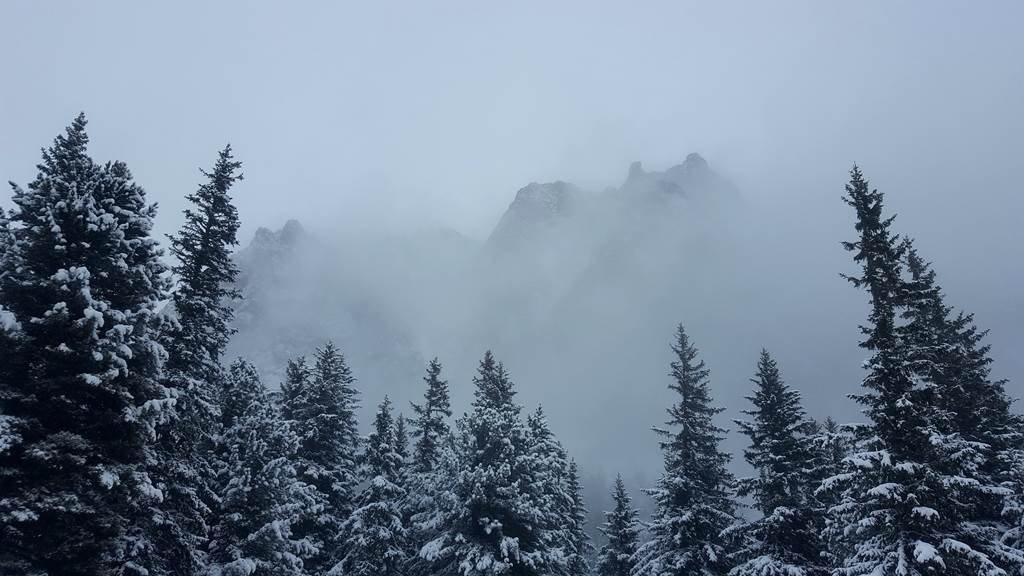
[(128, 447)]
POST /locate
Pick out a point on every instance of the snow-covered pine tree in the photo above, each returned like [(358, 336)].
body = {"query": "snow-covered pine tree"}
[(550, 485), (81, 285), (195, 336), (296, 379), (321, 406), (485, 516), (374, 536), (580, 547), (899, 510), (621, 528), (6, 240), (260, 493), (424, 480), (784, 540), (402, 439), (693, 498), (206, 274), (832, 443), (979, 432), (430, 423)]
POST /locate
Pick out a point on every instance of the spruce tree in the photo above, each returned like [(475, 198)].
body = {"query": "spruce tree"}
[(6, 241), (402, 439), (206, 273), (978, 432), (900, 509), (486, 518), (831, 444), (549, 486), (259, 490), (80, 287), (430, 420), (195, 337), (375, 535), (693, 500), (296, 380), (622, 530), (784, 540), (321, 406), (580, 547), (424, 479)]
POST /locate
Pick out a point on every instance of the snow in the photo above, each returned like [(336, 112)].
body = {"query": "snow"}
[(109, 479), (8, 323), (925, 553), (8, 436)]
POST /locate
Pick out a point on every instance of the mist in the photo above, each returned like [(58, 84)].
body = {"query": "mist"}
[(399, 137)]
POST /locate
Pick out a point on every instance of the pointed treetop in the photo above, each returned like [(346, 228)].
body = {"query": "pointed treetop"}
[(493, 386)]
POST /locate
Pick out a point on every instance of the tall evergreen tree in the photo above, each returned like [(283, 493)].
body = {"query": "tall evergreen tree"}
[(487, 519), (206, 273), (430, 420), (693, 500), (260, 493), (580, 547), (79, 290), (549, 486), (784, 540), (321, 404), (296, 380), (195, 337), (424, 478), (375, 535), (900, 510), (978, 430), (622, 529), (402, 439), (6, 240)]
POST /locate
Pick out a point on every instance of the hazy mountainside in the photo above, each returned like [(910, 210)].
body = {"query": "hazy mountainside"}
[(569, 283), (395, 300)]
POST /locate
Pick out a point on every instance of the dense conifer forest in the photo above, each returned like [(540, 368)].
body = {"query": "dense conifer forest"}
[(130, 444)]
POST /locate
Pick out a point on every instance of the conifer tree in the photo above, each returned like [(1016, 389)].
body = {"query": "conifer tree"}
[(260, 493), (195, 337), (622, 530), (375, 535), (80, 286), (430, 420), (6, 240), (425, 482), (206, 273), (784, 540), (580, 547), (900, 509), (321, 405), (549, 485), (831, 444), (486, 516), (978, 432), (693, 500), (401, 439), (296, 380)]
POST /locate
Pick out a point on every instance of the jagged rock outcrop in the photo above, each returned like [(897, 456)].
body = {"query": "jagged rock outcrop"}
[(535, 209)]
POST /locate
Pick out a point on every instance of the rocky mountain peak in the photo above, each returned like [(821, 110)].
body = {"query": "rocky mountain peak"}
[(535, 206)]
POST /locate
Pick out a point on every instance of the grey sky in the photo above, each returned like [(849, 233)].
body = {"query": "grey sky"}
[(450, 107), (419, 114)]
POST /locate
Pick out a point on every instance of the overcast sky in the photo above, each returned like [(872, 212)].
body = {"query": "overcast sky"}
[(443, 109), (433, 113)]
